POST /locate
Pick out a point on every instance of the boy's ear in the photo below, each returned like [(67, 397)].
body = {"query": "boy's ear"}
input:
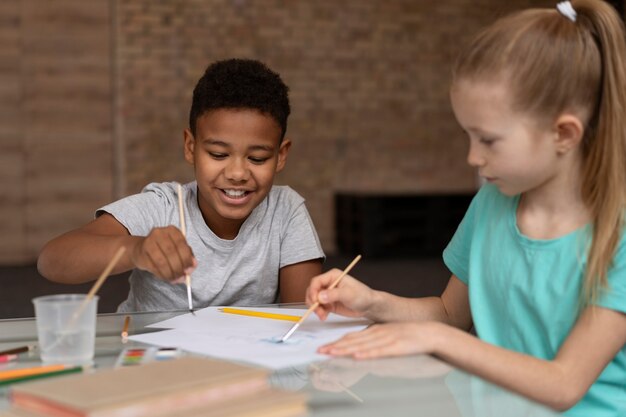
[(569, 132), (283, 151), (189, 144)]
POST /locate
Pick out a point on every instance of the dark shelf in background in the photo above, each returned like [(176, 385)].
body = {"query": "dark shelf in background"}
[(397, 226)]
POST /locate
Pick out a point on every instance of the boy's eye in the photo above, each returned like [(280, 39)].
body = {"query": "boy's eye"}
[(486, 141), (257, 160), (217, 155)]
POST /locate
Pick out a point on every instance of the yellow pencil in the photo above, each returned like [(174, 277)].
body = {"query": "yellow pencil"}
[(21, 372), (259, 314)]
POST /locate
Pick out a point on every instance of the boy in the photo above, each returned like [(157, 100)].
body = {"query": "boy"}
[(247, 242)]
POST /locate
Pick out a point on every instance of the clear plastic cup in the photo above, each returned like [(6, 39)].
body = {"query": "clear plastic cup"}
[(66, 328)]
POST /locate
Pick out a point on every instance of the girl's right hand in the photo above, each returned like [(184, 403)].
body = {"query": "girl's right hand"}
[(165, 253), (349, 298)]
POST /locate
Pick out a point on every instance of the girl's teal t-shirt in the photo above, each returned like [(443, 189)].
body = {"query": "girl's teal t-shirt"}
[(524, 293)]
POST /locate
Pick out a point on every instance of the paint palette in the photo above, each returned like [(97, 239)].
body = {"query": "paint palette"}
[(139, 356)]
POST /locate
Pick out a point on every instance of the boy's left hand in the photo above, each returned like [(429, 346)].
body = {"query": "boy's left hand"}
[(390, 339)]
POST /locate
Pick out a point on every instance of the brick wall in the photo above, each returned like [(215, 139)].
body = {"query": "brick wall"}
[(55, 119), (368, 79), (94, 96)]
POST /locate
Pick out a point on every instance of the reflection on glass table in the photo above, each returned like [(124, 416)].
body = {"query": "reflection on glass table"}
[(405, 386)]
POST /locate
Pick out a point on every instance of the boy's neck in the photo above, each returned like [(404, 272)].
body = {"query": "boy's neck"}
[(225, 229)]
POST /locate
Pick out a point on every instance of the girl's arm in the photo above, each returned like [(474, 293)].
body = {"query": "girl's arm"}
[(294, 280), (560, 383), (597, 337), (355, 299), (452, 307)]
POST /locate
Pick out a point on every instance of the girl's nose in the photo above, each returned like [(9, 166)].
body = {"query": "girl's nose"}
[(474, 156)]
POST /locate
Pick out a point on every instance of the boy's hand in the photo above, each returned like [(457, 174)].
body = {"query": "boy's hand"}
[(350, 298), (165, 253)]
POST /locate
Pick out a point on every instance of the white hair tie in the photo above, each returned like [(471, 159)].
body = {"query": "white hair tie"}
[(567, 10)]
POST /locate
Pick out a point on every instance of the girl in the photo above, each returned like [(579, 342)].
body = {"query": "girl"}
[(539, 261)]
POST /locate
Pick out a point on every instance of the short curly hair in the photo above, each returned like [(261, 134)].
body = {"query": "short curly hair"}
[(237, 84)]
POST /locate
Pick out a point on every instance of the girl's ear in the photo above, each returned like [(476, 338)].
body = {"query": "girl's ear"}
[(283, 151), (569, 132), (189, 143)]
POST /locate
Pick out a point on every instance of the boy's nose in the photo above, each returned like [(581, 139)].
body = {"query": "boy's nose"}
[(237, 170)]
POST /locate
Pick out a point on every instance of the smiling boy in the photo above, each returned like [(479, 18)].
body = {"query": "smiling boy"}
[(248, 242)]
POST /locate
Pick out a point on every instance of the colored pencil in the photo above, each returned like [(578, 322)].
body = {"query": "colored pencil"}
[(317, 303), (262, 314), (21, 372), (7, 358), (125, 328), (41, 375), (16, 350), (181, 212)]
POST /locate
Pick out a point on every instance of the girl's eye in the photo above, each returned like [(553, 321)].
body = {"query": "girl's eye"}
[(487, 141), (216, 155)]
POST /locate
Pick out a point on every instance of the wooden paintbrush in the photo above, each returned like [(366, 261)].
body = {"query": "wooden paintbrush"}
[(317, 303), (181, 212)]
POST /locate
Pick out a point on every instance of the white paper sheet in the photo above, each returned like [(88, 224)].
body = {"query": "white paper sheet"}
[(251, 339)]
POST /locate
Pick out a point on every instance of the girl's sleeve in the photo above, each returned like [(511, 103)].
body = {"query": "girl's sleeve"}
[(457, 254), (614, 297)]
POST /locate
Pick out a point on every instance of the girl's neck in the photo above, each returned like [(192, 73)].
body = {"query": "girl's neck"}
[(555, 208)]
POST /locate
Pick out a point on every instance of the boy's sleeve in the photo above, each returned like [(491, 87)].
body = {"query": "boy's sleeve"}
[(140, 213), (457, 254), (300, 242), (614, 297)]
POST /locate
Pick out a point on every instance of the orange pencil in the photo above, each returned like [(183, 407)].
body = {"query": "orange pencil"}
[(125, 328), (21, 372)]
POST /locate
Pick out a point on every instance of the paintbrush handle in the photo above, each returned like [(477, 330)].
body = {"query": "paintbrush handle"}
[(105, 273), (183, 229), (333, 285), (317, 303)]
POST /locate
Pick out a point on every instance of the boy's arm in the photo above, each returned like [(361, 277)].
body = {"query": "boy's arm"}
[(294, 280), (82, 254)]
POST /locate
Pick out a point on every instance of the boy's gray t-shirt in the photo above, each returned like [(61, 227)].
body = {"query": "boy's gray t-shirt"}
[(242, 271)]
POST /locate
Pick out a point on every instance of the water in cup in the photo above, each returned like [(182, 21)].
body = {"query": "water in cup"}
[(66, 347), (66, 325)]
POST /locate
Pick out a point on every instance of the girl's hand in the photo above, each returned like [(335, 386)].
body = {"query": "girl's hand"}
[(165, 253), (390, 339), (350, 298)]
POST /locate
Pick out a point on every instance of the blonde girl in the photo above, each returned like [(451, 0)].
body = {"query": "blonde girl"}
[(539, 261)]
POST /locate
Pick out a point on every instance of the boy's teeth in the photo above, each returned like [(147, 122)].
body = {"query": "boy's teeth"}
[(234, 193)]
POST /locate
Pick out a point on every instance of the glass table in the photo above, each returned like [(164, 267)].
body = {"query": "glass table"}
[(407, 386)]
